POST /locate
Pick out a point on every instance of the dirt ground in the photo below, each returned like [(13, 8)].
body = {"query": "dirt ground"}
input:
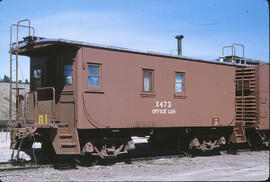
[(245, 166)]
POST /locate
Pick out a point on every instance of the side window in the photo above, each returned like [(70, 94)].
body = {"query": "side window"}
[(37, 77), (68, 74), (148, 80), (94, 75), (179, 83)]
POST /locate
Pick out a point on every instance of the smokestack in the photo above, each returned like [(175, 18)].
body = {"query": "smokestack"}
[(179, 44)]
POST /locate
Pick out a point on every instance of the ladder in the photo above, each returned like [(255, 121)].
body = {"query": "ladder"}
[(14, 50), (239, 133), (66, 140)]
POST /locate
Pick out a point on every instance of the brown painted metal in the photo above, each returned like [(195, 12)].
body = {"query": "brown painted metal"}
[(246, 107), (209, 91), (30, 106), (209, 98), (119, 102), (263, 96), (252, 100), (45, 106)]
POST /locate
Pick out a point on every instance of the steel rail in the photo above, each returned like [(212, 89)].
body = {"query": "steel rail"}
[(8, 166)]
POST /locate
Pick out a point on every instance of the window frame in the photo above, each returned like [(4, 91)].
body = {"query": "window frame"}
[(180, 94), (33, 81), (152, 80), (64, 76), (150, 93), (93, 88)]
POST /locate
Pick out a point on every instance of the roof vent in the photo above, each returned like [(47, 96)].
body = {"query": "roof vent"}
[(179, 44)]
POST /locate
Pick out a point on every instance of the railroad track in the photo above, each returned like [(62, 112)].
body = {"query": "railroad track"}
[(154, 158), (169, 156), (9, 166)]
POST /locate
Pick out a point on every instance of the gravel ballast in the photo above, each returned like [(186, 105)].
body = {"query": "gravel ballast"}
[(244, 166)]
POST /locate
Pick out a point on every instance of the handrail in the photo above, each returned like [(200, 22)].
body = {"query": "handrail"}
[(233, 50), (24, 26), (20, 21), (241, 45)]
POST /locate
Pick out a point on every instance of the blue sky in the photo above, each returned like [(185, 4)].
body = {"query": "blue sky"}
[(151, 25)]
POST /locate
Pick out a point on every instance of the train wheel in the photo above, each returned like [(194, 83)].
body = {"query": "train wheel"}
[(86, 160), (63, 162), (48, 150), (204, 146), (182, 146)]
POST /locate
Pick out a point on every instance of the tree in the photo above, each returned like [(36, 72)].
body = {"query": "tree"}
[(6, 79), (26, 80)]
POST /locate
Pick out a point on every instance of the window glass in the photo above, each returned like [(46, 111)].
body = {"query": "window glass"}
[(68, 75), (93, 70), (37, 75), (147, 81), (179, 77), (179, 82), (179, 87), (93, 76)]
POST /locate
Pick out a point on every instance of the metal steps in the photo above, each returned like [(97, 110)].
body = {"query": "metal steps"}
[(68, 145), (239, 133), (65, 135), (66, 140)]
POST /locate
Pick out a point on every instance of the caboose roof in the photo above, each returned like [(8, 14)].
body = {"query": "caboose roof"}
[(32, 43)]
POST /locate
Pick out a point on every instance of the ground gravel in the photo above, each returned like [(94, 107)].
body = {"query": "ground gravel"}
[(245, 166)]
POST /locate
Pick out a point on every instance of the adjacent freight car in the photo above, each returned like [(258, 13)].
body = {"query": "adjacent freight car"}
[(90, 99), (252, 100)]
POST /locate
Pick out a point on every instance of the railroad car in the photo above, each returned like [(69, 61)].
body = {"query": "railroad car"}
[(90, 99), (251, 102)]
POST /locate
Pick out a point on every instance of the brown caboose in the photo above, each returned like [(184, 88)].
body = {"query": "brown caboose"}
[(90, 99)]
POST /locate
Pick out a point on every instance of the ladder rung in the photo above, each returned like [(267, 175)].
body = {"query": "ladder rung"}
[(68, 145), (65, 135), (238, 135), (62, 125)]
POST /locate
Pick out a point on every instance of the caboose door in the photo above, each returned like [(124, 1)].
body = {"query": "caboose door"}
[(66, 103), (65, 140)]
